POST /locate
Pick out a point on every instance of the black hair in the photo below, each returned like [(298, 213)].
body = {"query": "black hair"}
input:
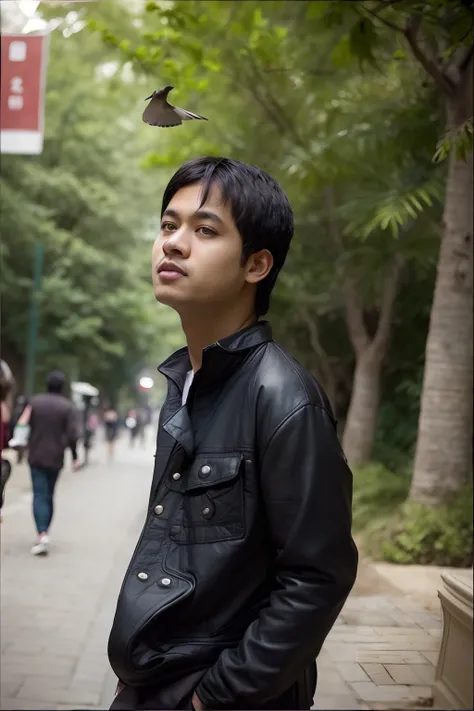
[(55, 381), (260, 209)]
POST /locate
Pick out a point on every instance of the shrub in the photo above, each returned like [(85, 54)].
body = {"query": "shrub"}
[(400, 531), (424, 535)]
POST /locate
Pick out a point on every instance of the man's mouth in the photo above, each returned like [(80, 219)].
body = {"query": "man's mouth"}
[(168, 271)]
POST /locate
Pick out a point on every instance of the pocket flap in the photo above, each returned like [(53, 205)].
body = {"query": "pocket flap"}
[(211, 470)]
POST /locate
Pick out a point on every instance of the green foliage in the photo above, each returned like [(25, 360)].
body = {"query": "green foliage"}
[(89, 203), (398, 531), (460, 139), (425, 535), (377, 492), (396, 210), (343, 108)]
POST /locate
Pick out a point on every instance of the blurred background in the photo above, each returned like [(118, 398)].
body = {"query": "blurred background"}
[(363, 112)]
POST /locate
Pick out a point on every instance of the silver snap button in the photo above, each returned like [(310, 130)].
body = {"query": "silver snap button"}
[(206, 511), (205, 470), (142, 576), (159, 509), (165, 581), (176, 476)]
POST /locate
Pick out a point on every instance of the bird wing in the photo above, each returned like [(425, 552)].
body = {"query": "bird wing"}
[(160, 113), (187, 115)]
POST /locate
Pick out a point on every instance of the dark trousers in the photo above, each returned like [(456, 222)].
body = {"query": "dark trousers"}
[(4, 477), (44, 482)]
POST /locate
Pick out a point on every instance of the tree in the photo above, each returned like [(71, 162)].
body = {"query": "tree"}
[(90, 204), (439, 35), (336, 143)]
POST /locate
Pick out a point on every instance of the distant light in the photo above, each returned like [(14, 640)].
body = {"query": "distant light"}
[(146, 383)]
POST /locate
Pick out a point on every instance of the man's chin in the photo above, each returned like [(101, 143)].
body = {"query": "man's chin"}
[(167, 298)]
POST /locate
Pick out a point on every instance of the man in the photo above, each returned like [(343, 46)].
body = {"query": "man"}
[(52, 429), (246, 555)]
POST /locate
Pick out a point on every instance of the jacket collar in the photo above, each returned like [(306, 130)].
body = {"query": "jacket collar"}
[(219, 361), (220, 358)]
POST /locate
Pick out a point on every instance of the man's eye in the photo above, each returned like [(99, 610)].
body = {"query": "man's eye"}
[(168, 226), (206, 231)]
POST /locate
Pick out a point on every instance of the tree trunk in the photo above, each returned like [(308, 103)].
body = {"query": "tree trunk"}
[(443, 460), (359, 430), (370, 351)]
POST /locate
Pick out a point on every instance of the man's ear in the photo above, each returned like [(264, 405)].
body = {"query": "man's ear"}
[(258, 266)]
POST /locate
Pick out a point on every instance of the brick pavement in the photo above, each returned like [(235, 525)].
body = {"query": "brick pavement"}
[(56, 611)]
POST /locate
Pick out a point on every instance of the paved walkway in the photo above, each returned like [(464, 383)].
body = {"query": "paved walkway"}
[(56, 612)]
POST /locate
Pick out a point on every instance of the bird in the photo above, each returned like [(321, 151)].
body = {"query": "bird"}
[(160, 113)]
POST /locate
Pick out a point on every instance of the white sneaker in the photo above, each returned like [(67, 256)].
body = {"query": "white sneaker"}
[(41, 548)]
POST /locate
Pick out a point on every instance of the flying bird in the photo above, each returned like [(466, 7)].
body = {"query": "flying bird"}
[(160, 113)]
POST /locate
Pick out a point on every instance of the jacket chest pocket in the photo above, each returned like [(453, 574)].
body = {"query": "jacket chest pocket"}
[(212, 505)]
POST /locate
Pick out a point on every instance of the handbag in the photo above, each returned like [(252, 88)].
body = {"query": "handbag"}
[(20, 437)]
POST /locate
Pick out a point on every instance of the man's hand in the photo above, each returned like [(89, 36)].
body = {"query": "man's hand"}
[(197, 704), (75, 465)]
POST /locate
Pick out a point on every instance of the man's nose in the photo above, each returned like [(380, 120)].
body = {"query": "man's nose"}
[(177, 242)]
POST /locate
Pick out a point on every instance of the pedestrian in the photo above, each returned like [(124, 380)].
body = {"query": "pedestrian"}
[(111, 430), (90, 426), (53, 428), (141, 425), (133, 425), (7, 384), (246, 556)]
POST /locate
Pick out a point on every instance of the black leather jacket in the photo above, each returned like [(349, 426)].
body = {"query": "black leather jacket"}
[(246, 556)]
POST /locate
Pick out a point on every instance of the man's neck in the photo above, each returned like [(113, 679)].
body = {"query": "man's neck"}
[(201, 332)]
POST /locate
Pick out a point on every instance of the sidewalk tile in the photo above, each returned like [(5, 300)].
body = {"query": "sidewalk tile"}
[(378, 674), (351, 671), (405, 674)]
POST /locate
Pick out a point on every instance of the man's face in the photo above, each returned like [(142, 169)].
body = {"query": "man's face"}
[(204, 244)]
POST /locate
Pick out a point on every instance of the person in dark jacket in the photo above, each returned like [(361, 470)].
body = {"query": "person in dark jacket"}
[(246, 555), (52, 430)]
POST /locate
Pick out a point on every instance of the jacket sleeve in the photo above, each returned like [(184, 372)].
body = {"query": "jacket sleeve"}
[(307, 491)]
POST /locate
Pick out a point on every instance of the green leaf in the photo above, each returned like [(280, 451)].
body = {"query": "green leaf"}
[(362, 40), (212, 65), (258, 20), (341, 55), (460, 138), (281, 32)]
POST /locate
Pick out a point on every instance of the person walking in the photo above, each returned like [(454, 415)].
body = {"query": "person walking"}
[(53, 429), (111, 430), (133, 425), (246, 555)]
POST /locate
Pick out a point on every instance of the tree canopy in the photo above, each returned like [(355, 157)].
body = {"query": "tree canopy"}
[(349, 105)]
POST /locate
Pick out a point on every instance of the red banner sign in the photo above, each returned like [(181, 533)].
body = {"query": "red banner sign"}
[(23, 75)]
